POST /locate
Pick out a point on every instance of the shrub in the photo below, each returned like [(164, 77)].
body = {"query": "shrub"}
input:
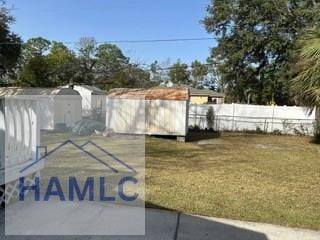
[(210, 118), (194, 128)]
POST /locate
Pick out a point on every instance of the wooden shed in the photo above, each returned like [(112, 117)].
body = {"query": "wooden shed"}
[(155, 111), (57, 107)]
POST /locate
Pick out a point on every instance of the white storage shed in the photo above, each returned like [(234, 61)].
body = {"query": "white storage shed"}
[(93, 99), (56, 106), (155, 111), (19, 137)]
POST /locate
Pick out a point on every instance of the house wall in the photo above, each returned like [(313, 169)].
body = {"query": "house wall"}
[(219, 100), (198, 99), (204, 100), (240, 117), (152, 117)]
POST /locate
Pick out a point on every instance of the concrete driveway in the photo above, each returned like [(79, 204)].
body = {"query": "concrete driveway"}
[(167, 225)]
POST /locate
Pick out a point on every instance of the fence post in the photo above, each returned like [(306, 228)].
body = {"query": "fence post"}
[(233, 111), (272, 126)]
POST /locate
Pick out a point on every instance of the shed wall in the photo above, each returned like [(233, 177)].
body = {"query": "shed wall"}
[(67, 110), (19, 134), (152, 117)]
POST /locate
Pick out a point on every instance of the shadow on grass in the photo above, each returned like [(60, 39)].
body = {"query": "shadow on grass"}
[(315, 140), (194, 136)]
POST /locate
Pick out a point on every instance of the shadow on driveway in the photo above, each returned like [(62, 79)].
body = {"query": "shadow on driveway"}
[(163, 225)]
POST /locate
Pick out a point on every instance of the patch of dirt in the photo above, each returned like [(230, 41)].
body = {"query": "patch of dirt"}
[(268, 146), (210, 142)]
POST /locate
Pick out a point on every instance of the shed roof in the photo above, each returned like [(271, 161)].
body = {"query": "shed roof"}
[(93, 89), (205, 92), (159, 93), (10, 91)]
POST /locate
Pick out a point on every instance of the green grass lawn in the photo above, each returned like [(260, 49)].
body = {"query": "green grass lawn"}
[(264, 178), (272, 179)]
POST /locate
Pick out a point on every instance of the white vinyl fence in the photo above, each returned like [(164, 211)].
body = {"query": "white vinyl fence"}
[(242, 117)]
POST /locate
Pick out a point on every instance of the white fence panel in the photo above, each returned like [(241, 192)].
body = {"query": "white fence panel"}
[(240, 117)]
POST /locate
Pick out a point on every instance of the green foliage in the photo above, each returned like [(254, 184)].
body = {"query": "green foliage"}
[(306, 85), (198, 72), (179, 73), (110, 63), (35, 47), (63, 64), (35, 73), (255, 43), (52, 64), (10, 44)]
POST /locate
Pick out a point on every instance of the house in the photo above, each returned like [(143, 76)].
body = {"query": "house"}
[(93, 99), (205, 96), (155, 111), (58, 108)]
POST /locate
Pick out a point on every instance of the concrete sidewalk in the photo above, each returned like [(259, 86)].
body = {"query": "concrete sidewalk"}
[(166, 225)]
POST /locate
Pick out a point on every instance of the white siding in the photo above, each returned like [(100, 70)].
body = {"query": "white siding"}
[(46, 112), (19, 135), (58, 109), (86, 98), (67, 110), (153, 117), (126, 115)]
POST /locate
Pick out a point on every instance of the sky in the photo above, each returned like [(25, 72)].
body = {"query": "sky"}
[(69, 20)]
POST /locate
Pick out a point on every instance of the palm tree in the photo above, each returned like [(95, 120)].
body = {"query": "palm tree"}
[(306, 84)]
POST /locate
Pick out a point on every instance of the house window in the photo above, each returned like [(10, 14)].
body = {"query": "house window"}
[(212, 100)]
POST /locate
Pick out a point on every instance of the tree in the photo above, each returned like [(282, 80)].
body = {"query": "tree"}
[(35, 47), (255, 41), (155, 72), (179, 73), (87, 48), (63, 64), (35, 70), (198, 72), (138, 77), (35, 73), (10, 44), (110, 62), (306, 84)]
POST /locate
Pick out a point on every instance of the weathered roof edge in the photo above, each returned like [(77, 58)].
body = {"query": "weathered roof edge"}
[(11, 91), (156, 93)]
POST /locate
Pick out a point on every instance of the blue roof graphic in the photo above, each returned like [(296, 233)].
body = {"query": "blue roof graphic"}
[(80, 147)]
